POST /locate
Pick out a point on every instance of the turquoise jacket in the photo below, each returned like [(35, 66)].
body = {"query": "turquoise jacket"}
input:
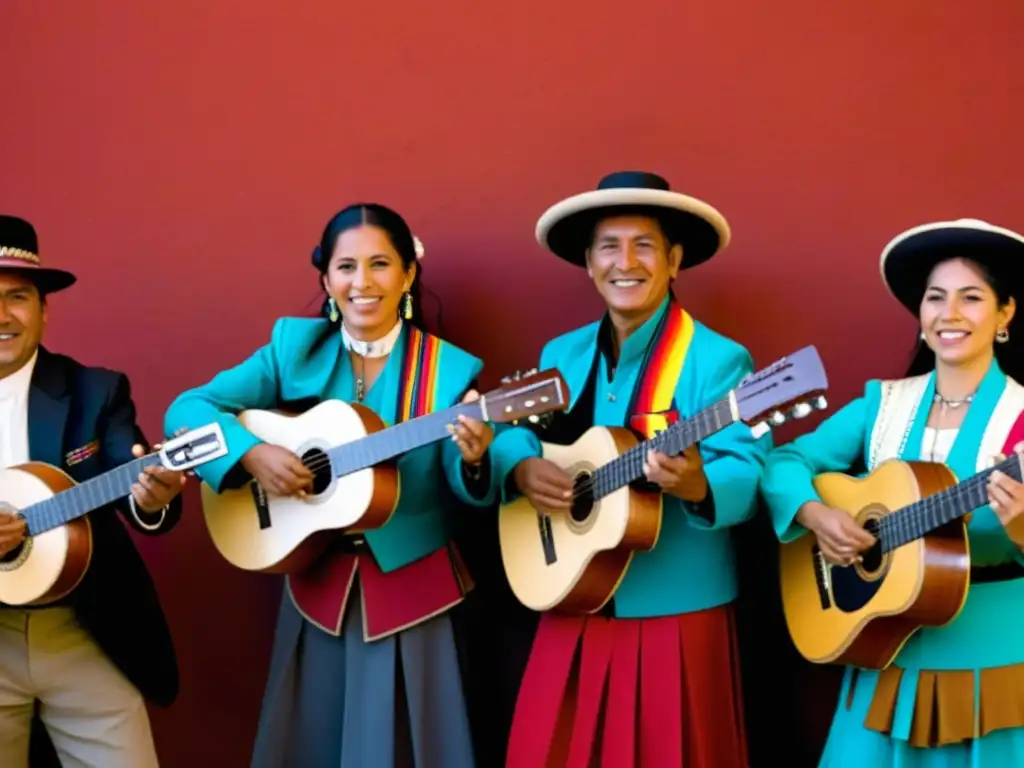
[(293, 368), (692, 567)]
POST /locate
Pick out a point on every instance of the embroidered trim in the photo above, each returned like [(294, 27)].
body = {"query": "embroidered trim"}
[(20, 254), (900, 400), (78, 455)]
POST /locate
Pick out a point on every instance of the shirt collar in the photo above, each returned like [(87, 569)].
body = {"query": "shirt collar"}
[(18, 382), (635, 346)]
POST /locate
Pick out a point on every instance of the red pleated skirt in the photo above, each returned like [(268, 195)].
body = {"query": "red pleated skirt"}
[(631, 693)]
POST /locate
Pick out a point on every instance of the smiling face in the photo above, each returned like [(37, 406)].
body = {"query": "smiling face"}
[(22, 319), (960, 314), (632, 265), (366, 278)]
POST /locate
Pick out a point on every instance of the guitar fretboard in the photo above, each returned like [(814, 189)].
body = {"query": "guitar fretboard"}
[(629, 466), (924, 516), (85, 497), (399, 439)]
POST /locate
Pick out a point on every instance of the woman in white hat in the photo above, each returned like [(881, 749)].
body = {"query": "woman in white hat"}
[(954, 695)]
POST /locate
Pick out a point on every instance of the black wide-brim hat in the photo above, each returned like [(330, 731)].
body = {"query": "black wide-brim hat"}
[(567, 227), (19, 253), (909, 258)]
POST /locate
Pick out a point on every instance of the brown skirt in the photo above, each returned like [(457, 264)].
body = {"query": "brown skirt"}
[(949, 705)]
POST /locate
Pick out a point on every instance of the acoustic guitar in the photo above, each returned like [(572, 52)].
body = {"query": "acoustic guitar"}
[(55, 554), (916, 575), (574, 561), (353, 458)]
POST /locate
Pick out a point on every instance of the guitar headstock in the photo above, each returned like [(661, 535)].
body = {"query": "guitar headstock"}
[(191, 448), (530, 395), (789, 388)]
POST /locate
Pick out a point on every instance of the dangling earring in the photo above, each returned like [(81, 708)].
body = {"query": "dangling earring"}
[(1002, 336), (333, 310), (407, 306)]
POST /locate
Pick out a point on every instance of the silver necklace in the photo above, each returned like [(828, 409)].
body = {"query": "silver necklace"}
[(378, 348), (952, 403)]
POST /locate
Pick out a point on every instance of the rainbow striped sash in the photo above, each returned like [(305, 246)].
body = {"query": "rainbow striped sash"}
[(418, 387), (652, 407)]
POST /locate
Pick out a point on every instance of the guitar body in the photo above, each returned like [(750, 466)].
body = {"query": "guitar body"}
[(46, 567), (574, 561), (286, 534), (863, 614)]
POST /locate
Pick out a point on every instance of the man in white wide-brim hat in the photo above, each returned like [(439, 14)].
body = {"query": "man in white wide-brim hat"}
[(659, 671)]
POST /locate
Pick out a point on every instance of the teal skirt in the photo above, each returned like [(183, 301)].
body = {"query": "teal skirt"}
[(947, 685)]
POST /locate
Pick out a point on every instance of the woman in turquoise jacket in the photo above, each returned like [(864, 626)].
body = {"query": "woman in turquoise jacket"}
[(954, 696), (364, 671)]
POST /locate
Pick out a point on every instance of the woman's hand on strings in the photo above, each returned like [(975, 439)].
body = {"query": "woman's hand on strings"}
[(1006, 497), (278, 470)]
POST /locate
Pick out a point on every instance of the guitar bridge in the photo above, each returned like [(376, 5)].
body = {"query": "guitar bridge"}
[(259, 499), (822, 578), (547, 540)]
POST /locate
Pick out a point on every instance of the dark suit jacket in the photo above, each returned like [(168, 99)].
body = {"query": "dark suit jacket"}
[(71, 406)]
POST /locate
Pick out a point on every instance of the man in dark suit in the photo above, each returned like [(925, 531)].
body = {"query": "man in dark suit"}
[(87, 662)]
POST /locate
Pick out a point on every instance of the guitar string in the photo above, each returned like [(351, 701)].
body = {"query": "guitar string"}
[(322, 459), (906, 524), (625, 462), (634, 456)]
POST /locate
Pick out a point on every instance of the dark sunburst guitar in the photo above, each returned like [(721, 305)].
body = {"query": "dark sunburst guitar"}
[(917, 574)]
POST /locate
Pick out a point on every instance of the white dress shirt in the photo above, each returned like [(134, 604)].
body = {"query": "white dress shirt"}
[(14, 414)]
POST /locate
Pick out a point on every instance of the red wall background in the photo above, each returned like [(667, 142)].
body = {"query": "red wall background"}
[(183, 158)]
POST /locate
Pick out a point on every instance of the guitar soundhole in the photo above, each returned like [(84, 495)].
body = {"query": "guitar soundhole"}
[(872, 561), (13, 555), (320, 464), (583, 498), (17, 556)]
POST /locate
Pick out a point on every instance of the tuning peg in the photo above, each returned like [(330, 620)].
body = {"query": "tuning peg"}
[(777, 418), (820, 403), (509, 379), (800, 410), (759, 430)]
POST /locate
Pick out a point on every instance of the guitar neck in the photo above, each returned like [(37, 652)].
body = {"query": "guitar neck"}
[(399, 439), (81, 499), (916, 520), (629, 466)]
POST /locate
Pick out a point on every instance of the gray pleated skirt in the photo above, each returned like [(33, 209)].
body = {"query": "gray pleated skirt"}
[(340, 702)]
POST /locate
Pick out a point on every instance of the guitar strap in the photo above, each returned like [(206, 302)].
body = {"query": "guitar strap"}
[(652, 407), (418, 385)]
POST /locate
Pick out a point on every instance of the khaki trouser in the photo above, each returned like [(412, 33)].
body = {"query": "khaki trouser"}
[(95, 717)]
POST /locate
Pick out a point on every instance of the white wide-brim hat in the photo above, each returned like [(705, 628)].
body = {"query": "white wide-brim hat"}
[(909, 258), (567, 227)]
